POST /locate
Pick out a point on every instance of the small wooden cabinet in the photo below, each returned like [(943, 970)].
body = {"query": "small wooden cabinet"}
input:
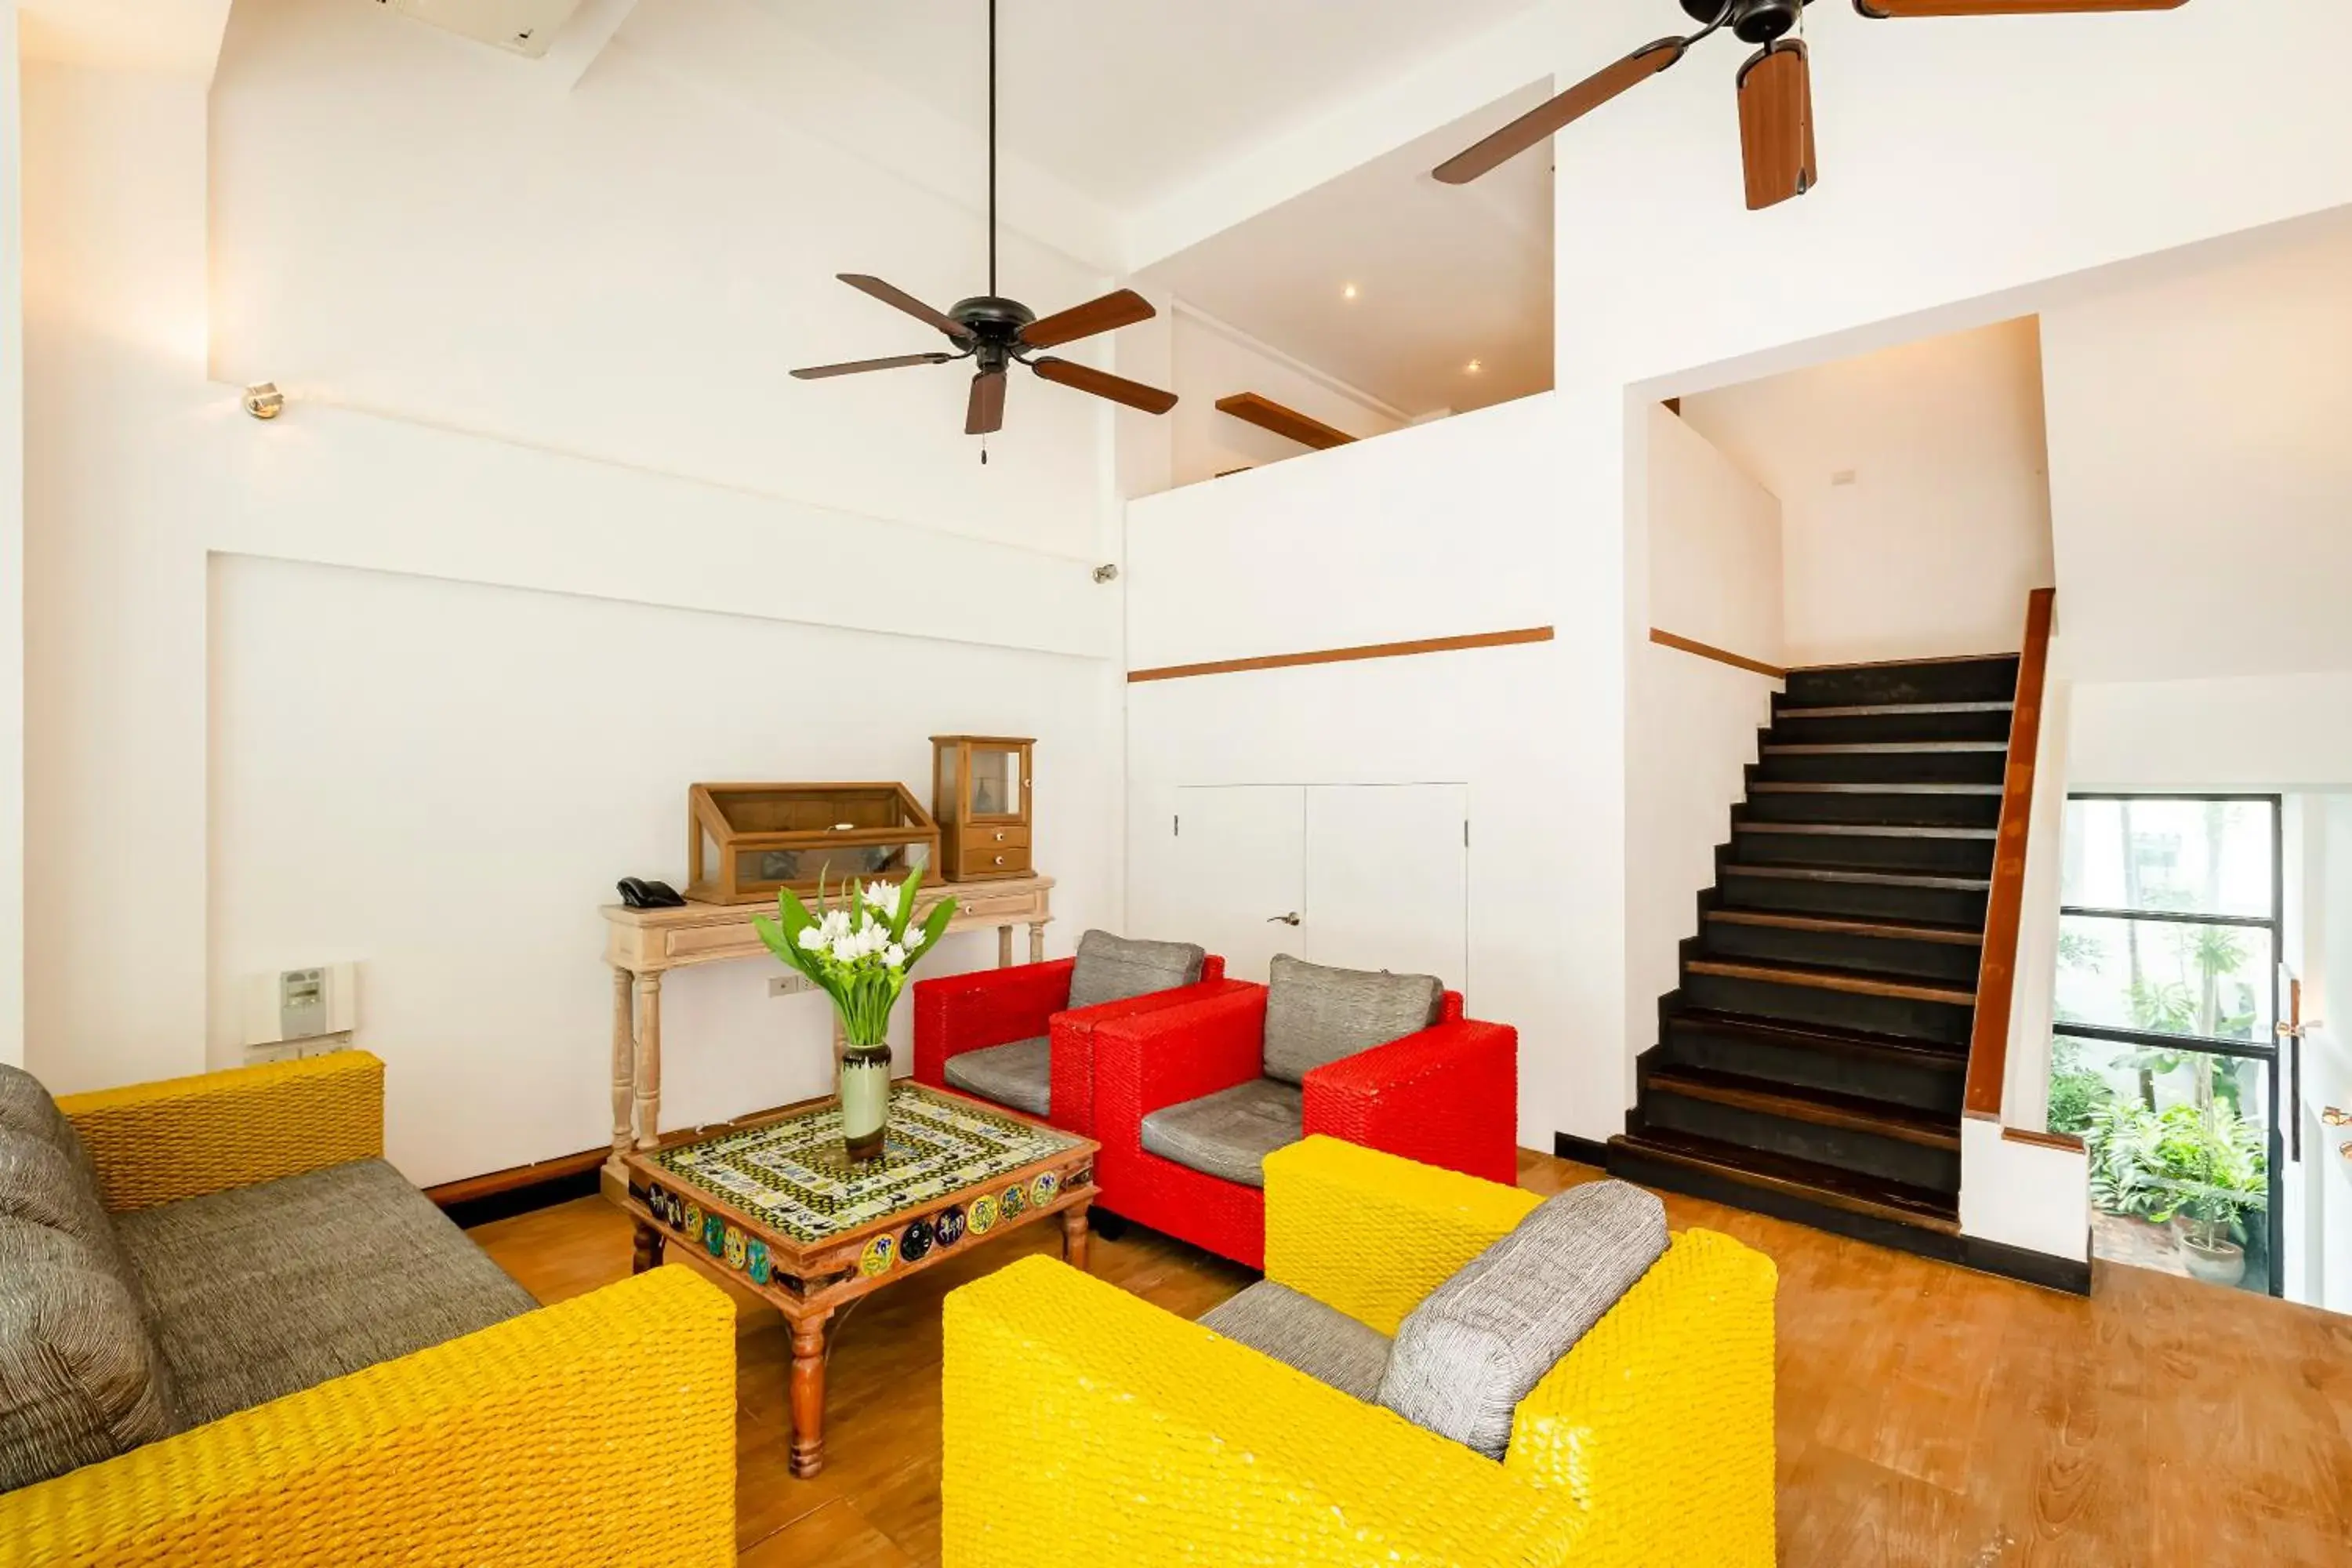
[(747, 840), (980, 794)]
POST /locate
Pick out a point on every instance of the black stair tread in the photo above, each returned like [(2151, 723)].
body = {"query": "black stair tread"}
[(1893, 709), (1902, 931), (1937, 659), (1856, 748), (1856, 982), (1826, 1036), (1875, 878), (1896, 1201), (1825, 1107), (1865, 829), (1767, 788)]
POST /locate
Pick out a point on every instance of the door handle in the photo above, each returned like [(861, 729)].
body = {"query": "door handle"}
[(1289, 920)]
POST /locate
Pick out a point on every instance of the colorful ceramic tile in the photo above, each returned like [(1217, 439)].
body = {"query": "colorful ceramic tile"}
[(734, 1246), (916, 1243), (949, 1225), (1042, 1190), (1013, 1203), (756, 1262), (878, 1255), (788, 1176), (983, 1215), (714, 1234)]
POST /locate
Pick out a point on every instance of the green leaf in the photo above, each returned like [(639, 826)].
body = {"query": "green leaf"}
[(906, 909)]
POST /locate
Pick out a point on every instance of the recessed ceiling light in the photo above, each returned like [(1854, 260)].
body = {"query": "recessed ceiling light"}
[(1347, 292), (1473, 368)]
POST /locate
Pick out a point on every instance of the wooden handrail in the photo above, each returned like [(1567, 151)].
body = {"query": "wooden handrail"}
[(1267, 415), (1721, 655), (2005, 912)]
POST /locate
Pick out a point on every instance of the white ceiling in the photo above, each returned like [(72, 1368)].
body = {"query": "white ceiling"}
[(1443, 274), (1127, 99)]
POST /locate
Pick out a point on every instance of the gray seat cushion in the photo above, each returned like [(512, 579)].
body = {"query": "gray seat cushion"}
[(1112, 968), (263, 1292), (81, 1379), (1481, 1341), (1228, 1133), (1315, 1014), (1019, 1074), (1301, 1332)]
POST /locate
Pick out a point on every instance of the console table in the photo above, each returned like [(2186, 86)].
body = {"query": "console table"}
[(642, 945)]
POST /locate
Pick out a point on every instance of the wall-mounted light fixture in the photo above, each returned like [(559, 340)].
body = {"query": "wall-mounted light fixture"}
[(264, 400)]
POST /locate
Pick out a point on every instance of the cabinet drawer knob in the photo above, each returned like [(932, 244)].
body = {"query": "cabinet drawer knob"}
[(999, 839), (999, 859)]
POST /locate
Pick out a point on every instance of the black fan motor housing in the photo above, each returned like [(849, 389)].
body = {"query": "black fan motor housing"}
[(1757, 21)]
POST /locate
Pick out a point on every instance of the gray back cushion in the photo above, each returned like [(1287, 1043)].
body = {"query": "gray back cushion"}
[(1480, 1342), (1315, 1014), (26, 1108), (1112, 968), (82, 1379), (46, 1184)]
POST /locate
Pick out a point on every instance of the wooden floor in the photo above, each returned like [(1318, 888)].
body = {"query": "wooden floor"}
[(1927, 1415)]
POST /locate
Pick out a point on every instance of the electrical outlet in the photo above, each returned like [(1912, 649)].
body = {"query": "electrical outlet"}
[(791, 984)]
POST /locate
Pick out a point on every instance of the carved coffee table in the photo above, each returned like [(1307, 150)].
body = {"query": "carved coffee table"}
[(773, 1206)]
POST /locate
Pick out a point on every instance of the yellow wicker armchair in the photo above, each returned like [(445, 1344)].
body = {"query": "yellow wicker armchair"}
[(599, 1431), (1085, 1427)]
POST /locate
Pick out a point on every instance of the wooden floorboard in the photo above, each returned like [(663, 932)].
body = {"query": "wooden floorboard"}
[(1927, 1415)]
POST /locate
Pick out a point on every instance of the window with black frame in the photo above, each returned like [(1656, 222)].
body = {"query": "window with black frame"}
[(2164, 1050)]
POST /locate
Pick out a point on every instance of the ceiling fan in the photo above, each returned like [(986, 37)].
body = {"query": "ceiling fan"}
[(996, 333), (1776, 90)]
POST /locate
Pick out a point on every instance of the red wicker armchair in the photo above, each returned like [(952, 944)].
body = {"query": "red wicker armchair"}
[(1447, 1095), (960, 1014)]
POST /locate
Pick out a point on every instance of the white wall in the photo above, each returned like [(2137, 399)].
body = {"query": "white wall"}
[(11, 557), (1302, 556), (2200, 467), (2328, 1070), (537, 343), (1714, 550), (1214, 360), (1943, 528), (442, 781)]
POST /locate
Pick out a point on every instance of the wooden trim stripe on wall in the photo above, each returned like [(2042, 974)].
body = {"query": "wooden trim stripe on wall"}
[(1344, 655), (1721, 656)]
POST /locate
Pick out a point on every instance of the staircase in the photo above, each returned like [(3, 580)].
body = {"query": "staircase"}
[(1811, 1066)]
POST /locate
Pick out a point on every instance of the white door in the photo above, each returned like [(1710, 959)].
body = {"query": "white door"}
[(1388, 878), (1233, 875)]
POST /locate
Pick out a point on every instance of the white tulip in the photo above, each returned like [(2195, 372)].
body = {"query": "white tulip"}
[(894, 957), (882, 896), (813, 939)]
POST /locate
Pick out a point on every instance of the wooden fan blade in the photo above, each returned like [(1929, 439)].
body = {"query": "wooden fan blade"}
[(1123, 307), (1572, 105), (1882, 10), (984, 415), (1102, 384), (898, 299), (860, 366), (1775, 124)]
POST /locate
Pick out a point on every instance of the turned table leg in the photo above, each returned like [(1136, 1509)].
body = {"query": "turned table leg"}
[(1074, 1236), (648, 1074), (625, 1064), (648, 1251), (808, 1395), (1037, 942)]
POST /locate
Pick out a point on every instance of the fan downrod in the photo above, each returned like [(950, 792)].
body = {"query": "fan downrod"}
[(1756, 21)]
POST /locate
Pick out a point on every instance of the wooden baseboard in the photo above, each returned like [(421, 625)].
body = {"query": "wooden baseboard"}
[(477, 1200), (1583, 1151)]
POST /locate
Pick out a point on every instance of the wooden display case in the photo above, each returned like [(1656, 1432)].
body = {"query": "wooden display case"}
[(980, 791), (746, 841)]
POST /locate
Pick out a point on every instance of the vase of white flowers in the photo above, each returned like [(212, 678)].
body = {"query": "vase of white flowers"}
[(858, 952)]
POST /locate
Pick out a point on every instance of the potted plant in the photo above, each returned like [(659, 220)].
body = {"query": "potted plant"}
[(858, 952), (2212, 1163)]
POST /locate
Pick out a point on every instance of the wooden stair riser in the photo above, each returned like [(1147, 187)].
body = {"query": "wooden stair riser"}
[(1798, 727), (1861, 901), (1917, 1080), (1848, 1149), (1628, 1161), (1939, 1022), (1899, 810), (1949, 963), (1754, 845), (1989, 680), (1878, 767)]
